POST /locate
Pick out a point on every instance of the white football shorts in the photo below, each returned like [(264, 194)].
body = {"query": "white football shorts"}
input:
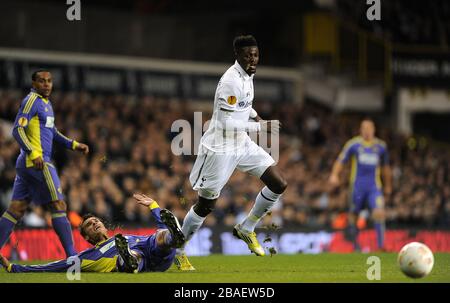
[(212, 170)]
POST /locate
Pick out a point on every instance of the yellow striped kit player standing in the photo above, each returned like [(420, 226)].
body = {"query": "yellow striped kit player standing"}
[(37, 179)]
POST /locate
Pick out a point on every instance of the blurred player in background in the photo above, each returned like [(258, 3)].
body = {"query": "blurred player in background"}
[(369, 156), (36, 179), (130, 253), (226, 146)]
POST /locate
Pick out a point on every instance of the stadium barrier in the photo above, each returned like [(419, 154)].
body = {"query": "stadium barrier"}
[(138, 76), (43, 244)]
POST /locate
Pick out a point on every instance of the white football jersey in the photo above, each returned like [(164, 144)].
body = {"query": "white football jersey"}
[(234, 97)]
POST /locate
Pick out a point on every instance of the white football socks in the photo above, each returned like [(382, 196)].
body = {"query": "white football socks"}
[(264, 202), (191, 223)]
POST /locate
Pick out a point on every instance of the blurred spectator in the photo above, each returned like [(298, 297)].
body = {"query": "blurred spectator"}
[(404, 21)]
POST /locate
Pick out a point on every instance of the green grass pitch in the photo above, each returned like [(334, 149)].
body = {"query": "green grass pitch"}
[(279, 268)]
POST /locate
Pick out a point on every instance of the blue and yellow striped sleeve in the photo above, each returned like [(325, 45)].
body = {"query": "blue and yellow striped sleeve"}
[(63, 140), (347, 151), (101, 258), (28, 109), (156, 214), (89, 261), (58, 266)]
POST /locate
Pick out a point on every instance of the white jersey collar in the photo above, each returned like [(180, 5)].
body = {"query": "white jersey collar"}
[(242, 71)]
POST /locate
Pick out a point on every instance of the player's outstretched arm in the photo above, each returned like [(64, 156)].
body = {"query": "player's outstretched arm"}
[(387, 180), (144, 200), (338, 165), (69, 143), (153, 205), (81, 147), (335, 172), (227, 122), (58, 266)]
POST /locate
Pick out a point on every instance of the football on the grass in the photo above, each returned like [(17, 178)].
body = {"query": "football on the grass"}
[(415, 260)]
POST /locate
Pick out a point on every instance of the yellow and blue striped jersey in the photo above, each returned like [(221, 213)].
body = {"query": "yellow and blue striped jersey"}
[(34, 130), (100, 258), (366, 160)]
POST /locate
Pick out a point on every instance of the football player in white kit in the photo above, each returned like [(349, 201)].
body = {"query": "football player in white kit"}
[(226, 146)]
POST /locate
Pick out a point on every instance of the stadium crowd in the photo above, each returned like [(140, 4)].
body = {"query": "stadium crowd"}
[(130, 139), (403, 21)]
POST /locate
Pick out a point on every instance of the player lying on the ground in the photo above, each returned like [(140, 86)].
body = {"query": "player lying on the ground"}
[(119, 253)]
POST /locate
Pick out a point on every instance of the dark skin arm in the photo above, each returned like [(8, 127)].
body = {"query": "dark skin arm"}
[(81, 147), (387, 178), (334, 177), (39, 162)]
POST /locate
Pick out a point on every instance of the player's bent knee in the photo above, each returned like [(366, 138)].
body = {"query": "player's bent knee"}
[(160, 237), (283, 184), (208, 194), (18, 209), (59, 205)]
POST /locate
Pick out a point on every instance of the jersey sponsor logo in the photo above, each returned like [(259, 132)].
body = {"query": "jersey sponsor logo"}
[(231, 100), (23, 121), (369, 159), (245, 104), (50, 122), (107, 247)]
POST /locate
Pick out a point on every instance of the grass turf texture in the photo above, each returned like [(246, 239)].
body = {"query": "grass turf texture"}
[(279, 268)]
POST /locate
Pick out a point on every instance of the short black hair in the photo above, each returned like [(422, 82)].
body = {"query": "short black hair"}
[(243, 41), (84, 218), (34, 74), (108, 225)]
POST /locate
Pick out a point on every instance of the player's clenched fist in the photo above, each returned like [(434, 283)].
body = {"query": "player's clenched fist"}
[(82, 148), (270, 126)]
